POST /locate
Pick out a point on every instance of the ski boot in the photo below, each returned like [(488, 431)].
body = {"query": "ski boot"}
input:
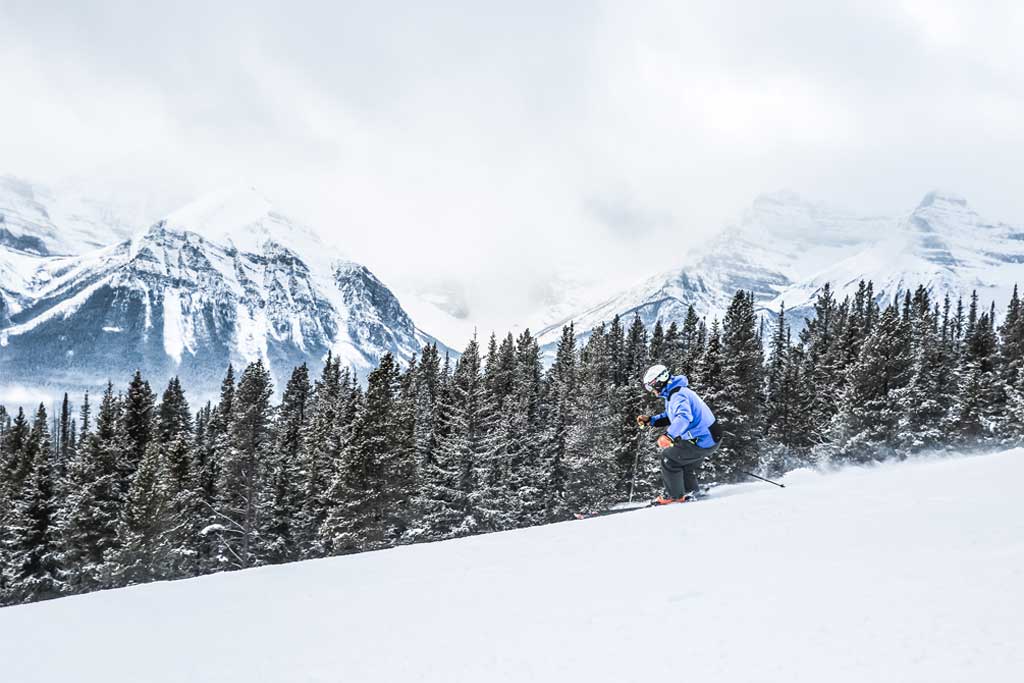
[(665, 500)]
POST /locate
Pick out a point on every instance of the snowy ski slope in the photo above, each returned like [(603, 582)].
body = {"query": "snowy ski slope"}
[(901, 572)]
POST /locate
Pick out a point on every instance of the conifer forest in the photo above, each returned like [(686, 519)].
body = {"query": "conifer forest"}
[(136, 484)]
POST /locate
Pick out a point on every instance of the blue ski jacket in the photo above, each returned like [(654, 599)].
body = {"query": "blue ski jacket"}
[(687, 414)]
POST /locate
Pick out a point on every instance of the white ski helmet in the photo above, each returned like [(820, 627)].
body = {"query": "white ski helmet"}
[(656, 378)]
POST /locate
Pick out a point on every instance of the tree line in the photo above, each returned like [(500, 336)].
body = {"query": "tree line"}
[(140, 487)]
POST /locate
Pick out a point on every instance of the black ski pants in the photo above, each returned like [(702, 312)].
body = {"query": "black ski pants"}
[(680, 464)]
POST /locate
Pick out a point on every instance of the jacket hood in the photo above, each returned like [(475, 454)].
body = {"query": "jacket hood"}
[(674, 383)]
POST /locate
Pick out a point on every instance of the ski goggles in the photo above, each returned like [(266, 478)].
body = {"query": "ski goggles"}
[(657, 384)]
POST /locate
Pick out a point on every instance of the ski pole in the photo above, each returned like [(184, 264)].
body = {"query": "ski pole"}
[(636, 456), (751, 474), (632, 485)]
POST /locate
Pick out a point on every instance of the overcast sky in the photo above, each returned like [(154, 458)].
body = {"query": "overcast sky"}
[(494, 143)]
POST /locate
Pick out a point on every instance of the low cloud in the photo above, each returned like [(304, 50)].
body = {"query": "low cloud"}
[(501, 147)]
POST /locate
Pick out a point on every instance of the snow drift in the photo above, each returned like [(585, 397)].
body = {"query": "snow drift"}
[(901, 572)]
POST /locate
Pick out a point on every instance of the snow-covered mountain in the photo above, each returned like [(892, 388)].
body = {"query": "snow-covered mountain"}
[(786, 248), (868, 574), (942, 244), (37, 219), (226, 279)]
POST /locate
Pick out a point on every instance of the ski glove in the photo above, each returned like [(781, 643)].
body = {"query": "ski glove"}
[(665, 441), (643, 420)]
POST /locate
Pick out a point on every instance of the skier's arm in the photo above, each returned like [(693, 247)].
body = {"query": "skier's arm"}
[(680, 417), (660, 420)]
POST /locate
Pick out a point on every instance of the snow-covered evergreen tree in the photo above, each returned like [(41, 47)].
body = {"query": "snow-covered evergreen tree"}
[(694, 337), (559, 415), (183, 551), (821, 372), (786, 419), (925, 402), (212, 449), (16, 466), (84, 420), (510, 493), (975, 413), (656, 349), (320, 454), (5, 498), (65, 437), (739, 404), (372, 493), (138, 417), (428, 382), (500, 364), (241, 494), (93, 500), (33, 570), (633, 450), (590, 462), (711, 384), (281, 544), (141, 528), (449, 490), (1011, 370), (867, 422)]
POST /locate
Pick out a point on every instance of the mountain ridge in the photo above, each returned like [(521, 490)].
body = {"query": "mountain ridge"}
[(224, 280), (784, 249)]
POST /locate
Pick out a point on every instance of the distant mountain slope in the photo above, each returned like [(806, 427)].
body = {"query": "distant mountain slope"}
[(785, 249), (942, 244), (868, 574), (226, 279), (36, 219)]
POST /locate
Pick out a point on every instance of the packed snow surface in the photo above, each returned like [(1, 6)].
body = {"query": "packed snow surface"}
[(901, 572)]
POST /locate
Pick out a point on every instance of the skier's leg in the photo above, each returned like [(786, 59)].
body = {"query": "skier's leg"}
[(675, 463), (690, 477), (687, 458), (672, 475)]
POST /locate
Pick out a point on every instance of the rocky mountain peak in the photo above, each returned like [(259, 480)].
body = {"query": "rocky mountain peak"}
[(225, 279), (785, 248), (938, 198)]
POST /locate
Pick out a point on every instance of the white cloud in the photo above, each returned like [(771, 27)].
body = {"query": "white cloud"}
[(495, 144)]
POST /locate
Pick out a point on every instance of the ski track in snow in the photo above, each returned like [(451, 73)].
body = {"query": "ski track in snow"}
[(887, 573)]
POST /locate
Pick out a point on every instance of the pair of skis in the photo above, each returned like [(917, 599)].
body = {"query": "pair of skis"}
[(631, 507)]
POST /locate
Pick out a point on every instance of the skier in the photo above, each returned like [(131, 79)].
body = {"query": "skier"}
[(692, 434)]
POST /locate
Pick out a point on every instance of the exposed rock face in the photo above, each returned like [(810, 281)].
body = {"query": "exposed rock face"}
[(182, 300), (785, 249)]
